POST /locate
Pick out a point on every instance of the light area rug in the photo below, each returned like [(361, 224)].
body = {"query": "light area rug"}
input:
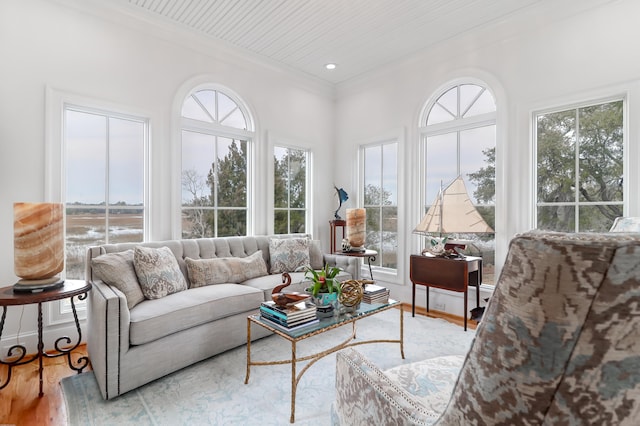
[(212, 392)]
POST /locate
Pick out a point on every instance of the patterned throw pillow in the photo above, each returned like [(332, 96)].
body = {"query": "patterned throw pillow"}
[(158, 272), (289, 254), (222, 270), (116, 269)]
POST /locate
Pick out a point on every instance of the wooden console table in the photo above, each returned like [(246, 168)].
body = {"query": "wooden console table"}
[(333, 229), (69, 290), (455, 274)]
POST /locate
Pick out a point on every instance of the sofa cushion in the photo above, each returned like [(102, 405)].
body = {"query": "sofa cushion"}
[(225, 269), (158, 272), (289, 254), (116, 269), (154, 319), (429, 381)]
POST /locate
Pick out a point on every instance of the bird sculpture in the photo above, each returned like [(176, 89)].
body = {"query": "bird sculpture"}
[(342, 196), (283, 299)]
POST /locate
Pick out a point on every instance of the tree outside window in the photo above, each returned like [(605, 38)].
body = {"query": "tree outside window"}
[(381, 202), (580, 167), (290, 190), (215, 144)]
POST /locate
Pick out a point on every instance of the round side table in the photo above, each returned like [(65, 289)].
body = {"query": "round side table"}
[(370, 255), (18, 353)]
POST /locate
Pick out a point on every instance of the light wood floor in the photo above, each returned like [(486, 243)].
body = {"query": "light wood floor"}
[(20, 404), (19, 401)]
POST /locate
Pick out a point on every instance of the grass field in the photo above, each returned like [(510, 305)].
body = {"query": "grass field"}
[(86, 230)]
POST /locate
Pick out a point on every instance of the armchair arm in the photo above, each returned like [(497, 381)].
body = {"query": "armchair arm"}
[(108, 335), (365, 395), (348, 264)]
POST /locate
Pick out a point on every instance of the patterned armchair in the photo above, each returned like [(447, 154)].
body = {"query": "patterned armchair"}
[(558, 344), (626, 224)]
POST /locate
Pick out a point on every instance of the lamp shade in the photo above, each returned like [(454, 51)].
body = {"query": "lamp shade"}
[(452, 212), (356, 227), (38, 240)]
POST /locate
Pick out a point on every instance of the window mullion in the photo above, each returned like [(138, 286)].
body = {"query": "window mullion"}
[(475, 99), (106, 176), (577, 173), (204, 108)]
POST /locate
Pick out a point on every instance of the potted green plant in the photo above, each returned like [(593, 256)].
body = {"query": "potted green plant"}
[(324, 287)]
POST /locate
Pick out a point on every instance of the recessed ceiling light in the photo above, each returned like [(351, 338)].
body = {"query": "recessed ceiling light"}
[(330, 66)]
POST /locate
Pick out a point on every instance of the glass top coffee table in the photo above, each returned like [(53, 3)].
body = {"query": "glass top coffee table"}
[(325, 324)]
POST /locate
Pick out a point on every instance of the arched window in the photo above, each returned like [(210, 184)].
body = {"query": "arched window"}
[(458, 129), (216, 138)]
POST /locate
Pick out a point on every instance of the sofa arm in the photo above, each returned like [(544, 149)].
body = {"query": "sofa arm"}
[(107, 335), (348, 264), (365, 395)]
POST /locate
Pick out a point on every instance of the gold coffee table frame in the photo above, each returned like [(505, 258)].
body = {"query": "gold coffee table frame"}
[(325, 325)]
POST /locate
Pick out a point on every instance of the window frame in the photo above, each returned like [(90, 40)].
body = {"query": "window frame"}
[(60, 312), (214, 129), (394, 276), (308, 189), (458, 126), (594, 100), (362, 148)]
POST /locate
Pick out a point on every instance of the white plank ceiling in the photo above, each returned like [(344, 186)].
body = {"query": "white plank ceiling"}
[(357, 35)]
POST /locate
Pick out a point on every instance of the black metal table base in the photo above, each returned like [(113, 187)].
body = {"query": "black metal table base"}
[(17, 354)]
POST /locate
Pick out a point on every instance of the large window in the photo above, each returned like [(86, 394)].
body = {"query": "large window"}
[(459, 140), (381, 201), (104, 166), (580, 167), (290, 192), (216, 135)]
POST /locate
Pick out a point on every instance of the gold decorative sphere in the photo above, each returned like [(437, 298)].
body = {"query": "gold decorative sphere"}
[(351, 293)]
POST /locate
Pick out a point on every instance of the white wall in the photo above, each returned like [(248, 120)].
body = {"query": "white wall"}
[(533, 63), (95, 54)]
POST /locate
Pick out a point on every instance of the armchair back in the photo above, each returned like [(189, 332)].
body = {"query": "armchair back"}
[(560, 339)]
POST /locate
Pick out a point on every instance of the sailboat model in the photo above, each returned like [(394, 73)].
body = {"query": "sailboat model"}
[(452, 212)]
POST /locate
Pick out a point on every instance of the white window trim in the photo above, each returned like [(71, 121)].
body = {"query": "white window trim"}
[(59, 312), (629, 92), (393, 276), (496, 118), (274, 140), (307, 183), (255, 154)]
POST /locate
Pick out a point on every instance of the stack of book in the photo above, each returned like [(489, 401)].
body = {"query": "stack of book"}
[(301, 314), (375, 294)]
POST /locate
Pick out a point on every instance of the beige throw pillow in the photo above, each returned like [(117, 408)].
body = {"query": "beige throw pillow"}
[(222, 270), (158, 272), (116, 269)]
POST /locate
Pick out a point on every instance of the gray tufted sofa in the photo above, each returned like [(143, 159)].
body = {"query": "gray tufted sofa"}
[(131, 347)]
